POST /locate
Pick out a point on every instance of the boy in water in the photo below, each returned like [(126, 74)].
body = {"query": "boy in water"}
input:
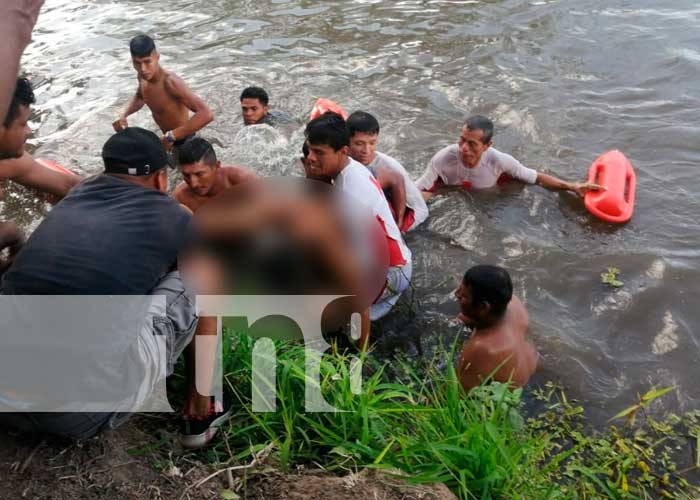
[(406, 200), (204, 176), (167, 96)]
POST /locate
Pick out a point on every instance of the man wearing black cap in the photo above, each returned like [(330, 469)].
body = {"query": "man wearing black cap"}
[(117, 233)]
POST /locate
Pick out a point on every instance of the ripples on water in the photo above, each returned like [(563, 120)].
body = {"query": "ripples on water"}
[(564, 82)]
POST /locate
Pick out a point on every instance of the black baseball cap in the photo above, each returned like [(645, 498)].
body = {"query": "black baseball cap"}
[(134, 151)]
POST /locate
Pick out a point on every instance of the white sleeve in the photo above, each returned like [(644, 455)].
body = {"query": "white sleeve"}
[(430, 176), (516, 170)]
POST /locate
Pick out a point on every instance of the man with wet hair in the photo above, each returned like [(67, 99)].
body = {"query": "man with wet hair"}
[(167, 96), (474, 163), (255, 109), (15, 163), (497, 349), (204, 176), (328, 142), (406, 201)]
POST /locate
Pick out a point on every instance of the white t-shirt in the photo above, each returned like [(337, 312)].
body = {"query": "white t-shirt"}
[(447, 166), (414, 200), (357, 181)]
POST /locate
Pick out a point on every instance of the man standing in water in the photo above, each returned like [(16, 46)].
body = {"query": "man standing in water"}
[(497, 349), (474, 163), (204, 175), (167, 96), (255, 109)]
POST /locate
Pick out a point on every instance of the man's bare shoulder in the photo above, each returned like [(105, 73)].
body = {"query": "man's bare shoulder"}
[(236, 174), (13, 167)]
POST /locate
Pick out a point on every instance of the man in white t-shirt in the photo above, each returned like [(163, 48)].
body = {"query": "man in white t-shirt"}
[(408, 205), (474, 163), (327, 139)]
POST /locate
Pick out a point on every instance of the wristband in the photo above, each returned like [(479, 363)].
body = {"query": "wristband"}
[(170, 137)]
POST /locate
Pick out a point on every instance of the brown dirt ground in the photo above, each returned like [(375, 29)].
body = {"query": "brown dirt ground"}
[(133, 463)]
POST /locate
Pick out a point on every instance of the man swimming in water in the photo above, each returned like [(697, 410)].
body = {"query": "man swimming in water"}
[(497, 348), (255, 109), (204, 175), (474, 163), (406, 201), (167, 96)]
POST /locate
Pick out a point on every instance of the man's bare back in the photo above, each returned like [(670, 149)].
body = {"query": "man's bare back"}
[(226, 177), (502, 345)]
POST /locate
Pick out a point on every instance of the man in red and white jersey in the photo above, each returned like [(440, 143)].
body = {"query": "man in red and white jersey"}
[(328, 142)]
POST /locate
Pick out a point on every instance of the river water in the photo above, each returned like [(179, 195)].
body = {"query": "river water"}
[(564, 82)]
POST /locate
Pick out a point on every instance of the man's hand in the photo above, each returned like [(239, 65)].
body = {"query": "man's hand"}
[(581, 188), (166, 143), (120, 124)]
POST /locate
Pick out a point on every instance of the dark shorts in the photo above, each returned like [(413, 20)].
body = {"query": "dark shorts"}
[(177, 326)]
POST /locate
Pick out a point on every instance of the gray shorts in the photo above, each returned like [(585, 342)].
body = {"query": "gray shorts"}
[(177, 326)]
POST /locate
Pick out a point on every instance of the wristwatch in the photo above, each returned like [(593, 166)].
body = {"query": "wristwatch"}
[(170, 137)]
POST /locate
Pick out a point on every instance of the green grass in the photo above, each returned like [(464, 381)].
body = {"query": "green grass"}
[(416, 420)]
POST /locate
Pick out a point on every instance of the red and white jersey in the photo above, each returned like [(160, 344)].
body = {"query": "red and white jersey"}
[(359, 183)]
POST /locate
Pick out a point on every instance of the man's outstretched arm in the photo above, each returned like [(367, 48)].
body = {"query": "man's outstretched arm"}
[(26, 171)]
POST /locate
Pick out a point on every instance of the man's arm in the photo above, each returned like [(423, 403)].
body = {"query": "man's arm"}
[(17, 19), (556, 184), (135, 104), (392, 180), (202, 114), (26, 171), (428, 181), (10, 237)]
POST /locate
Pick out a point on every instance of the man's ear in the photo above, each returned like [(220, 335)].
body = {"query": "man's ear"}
[(345, 150), (217, 165), (485, 308)]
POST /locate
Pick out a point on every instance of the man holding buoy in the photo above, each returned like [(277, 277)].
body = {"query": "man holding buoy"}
[(474, 163), (204, 176), (498, 348), (166, 95)]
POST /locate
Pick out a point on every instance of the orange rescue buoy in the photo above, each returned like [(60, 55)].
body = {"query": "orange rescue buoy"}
[(614, 172), (323, 105), (53, 166)]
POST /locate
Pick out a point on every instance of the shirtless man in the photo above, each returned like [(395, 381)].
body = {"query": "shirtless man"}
[(474, 163), (18, 165), (497, 349), (204, 176), (167, 96)]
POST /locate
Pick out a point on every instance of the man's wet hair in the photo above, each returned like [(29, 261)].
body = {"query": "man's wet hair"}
[(329, 129), (362, 122), (23, 96), (255, 93), (141, 46), (305, 150), (490, 284), (479, 122), (194, 150)]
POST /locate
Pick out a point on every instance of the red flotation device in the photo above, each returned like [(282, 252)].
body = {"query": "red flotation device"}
[(53, 166), (323, 105), (614, 172)]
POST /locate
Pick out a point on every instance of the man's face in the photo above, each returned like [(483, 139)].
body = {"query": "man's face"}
[(363, 147), (147, 66), (199, 176), (252, 110), (14, 137), (324, 162), (471, 146), (470, 312)]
